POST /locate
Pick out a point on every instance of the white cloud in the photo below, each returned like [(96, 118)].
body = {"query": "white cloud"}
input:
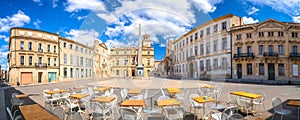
[(6, 39), (3, 56), (16, 20), (76, 5), (36, 23), (252, 10), (249, 20), (162, 45), (83, 36), (290, 7), (296, 19), (54, 3), (81, 17), (40, 3), (206, 5), (114, 43)]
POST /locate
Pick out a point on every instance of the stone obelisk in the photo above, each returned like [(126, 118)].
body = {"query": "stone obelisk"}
[(140, 66)]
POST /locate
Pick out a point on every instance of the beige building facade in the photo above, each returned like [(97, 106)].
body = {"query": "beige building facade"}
[(37, 56), (268, 50), (33, 56), (168, 60), (125, 59), (102, 61), (204, 52)]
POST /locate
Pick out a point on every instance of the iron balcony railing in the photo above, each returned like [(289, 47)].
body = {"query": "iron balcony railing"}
[(40, 64), (244, 55), (294, 55), (271, 54)]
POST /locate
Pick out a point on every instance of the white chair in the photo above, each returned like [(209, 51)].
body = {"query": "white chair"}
[(137, 97), (99, 111), (228, 112), (236, 116), (130, 114), (194, 104), (277, 106), (124, 93), (172, 113), (163, 98), (46, 96), (59, 112), (231, 100), (70, 104), (244, 104), (15, 101), (74, 116), (13, 117), (182, 95), (260, 102)]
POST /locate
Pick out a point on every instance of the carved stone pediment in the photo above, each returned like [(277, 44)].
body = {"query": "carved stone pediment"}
[(271, 24)]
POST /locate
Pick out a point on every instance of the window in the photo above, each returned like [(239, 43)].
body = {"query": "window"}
[(40, 60), (30, 46), (117, 72), (30, 60), (248, 35), (239, 50), (54, 63), (281, 69), (117, 52), (81, 50), (270, 34), (260, 34), (187, 41), (65, 58), (22, 45), (54, 49), (187, 53), (216, 28), (295, 49), (125, 62), (201, 33), (86, 72), (280, 50), (261, 69), (71, 59), (81, 61), (148, 62), (76, 48), (261, 49), (191, 52), (77, 60), (125, 52), (71, 46), (280, 33), (249, 68), (294, 34), (249, 49), (208, 47), (201, 65), (148, 52), (22, 60), (224, 25), (117, 62), (238, 37), (224, 44), (71, 72), (196, 50), (85, 51), (82, 73), (65, 45), (196, 36), (65, 72), (208, 65), (271, 49), (224, 63), (49, 61), (201, 49), (40, 46), (215, 45), (208, 31), (215, 63), (48, 48)]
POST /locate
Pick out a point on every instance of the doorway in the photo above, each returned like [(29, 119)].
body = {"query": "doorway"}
[(271, 71), (40, 74), (239, 71), (191, 70), (133, 73)]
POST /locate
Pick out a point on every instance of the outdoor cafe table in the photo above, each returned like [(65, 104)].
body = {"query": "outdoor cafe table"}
[(51, 92), (134, 91), (36, 112), (173, 91), (102, 89), (22, 96), (104, 100), (132, 103), (78, 97), (168, 102), (294, 103), (248, 95), (202, 100)]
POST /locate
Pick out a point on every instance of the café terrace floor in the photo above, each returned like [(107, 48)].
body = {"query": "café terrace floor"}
[(285, 92)]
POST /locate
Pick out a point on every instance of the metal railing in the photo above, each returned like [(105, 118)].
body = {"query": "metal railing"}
[(40, 64), (294, 55), (244, 55), (271, 54)]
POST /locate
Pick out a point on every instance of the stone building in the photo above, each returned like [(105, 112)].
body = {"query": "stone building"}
[(205, 52), (102, 61), (168, 60), (266, 51)]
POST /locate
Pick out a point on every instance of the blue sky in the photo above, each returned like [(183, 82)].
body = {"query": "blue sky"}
[(115, 22)]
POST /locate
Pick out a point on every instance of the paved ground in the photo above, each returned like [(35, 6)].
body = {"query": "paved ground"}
[(285, 92)]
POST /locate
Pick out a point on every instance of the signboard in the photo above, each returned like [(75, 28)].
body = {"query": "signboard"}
[(295, 70)]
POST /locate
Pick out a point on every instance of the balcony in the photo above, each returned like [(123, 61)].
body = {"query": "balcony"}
[(295, 55), (270, 54), (40, 64), (40, 50), (244, 55), (191, 58)]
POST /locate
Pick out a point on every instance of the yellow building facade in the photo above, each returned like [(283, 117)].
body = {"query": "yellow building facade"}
[(33, 56), (268, 50), (124, 59), (102, 61)]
